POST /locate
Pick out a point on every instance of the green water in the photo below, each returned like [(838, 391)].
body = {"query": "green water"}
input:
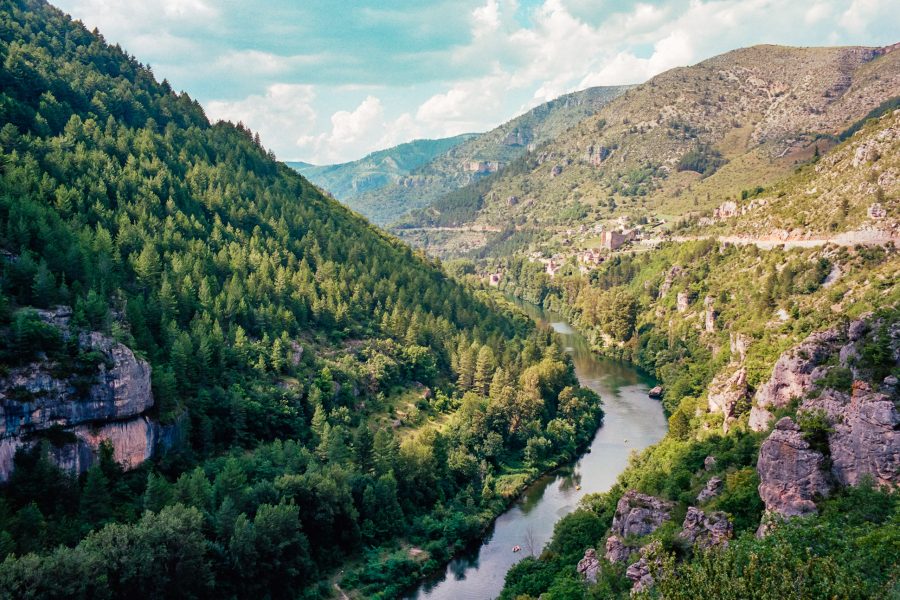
[(633, 421)]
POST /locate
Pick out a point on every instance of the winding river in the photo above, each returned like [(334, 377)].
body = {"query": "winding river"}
[(632, 421)]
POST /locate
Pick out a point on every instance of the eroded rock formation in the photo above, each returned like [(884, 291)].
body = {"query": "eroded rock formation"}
[(589, 566), (641, 572), (109, 404), (713, 488), (639, 514), (790, 472), (706, 530)]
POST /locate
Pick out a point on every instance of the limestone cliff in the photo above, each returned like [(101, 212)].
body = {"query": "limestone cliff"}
[(110, 402)]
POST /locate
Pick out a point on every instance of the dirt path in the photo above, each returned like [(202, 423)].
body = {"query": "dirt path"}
[(871, 237), (343, 594)]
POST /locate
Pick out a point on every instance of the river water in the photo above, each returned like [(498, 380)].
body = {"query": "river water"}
[(632, 421)]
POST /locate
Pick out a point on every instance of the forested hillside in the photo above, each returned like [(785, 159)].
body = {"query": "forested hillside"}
[(335, 391), (346, 181)]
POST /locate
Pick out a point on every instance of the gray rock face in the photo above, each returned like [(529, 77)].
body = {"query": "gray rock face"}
[(108, 406), (790, 472), (641, 572), (682, 301), (709, 319), (866, 438), (121, 390), (616, 550), (728, 395), (792, 376), (713, 488), (589, 566), (639, 514), (706, 530), (709, 463)]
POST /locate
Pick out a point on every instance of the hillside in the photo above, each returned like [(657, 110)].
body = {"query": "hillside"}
[(687, 140), (216, 381), (779, 372), (482, 155), (347, 181), (853, 188)]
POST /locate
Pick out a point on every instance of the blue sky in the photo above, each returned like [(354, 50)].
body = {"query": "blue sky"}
[(331, 80)]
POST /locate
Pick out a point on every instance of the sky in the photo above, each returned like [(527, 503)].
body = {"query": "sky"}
[(328, 81)]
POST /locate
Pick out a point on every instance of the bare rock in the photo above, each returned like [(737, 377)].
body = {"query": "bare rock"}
[(709, 463), (673, 274), (739, 343), (617, 550), (656, 392), (639, 514), (713, 488), (641, 572), (790, 472), (792, 376), (682, 302), (589, 566), (108, 405), (710, 315), (866, 439), (706, 530), (727, 396)]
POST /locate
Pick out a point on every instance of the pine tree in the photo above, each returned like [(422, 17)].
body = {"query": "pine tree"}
[(96, 504), (484, 369), (158, 492)]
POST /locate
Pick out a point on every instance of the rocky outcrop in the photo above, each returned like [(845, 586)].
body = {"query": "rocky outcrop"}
[(712, 489), (866, 438), (105, 399), (641, 572), (639, 514), (706, 530), (617, 550), (682, 301), (790, 472), (797, 371), (709, 319), (728, 396), (589, 566), (792, 376)]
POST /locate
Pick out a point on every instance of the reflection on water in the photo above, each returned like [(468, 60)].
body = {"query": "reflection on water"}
[(630, 415)]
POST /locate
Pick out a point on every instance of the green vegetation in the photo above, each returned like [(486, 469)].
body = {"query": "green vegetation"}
[(627, 307), (340, 396), (702, 159)]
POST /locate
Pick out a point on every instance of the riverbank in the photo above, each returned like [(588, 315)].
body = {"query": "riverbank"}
[(632, 421)]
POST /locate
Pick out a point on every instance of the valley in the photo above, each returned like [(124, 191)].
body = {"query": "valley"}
[(639, 341)]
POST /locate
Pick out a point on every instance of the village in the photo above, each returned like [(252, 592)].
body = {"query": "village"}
[(587, 247)]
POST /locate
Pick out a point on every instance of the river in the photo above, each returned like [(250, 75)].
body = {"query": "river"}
[(632, 421)]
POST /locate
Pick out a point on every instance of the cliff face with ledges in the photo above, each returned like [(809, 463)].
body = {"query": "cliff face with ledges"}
[(109, 404)]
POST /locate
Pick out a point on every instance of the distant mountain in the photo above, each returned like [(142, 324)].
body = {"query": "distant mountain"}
[(478, 156), (346, 181), (684, 142)]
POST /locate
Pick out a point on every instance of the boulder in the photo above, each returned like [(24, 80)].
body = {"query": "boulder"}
[(616, 550), (709, 463), (713, 488), (641, 572), (790, 472), (706, 530), (656, 392), (639, 514), (589, 566)]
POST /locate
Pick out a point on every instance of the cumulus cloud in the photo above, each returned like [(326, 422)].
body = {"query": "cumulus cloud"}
[(332, 86), (281, 115)]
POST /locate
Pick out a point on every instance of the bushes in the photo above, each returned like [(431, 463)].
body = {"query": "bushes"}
[(703, 159)]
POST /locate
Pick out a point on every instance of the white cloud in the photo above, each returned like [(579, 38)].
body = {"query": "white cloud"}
[(352, 133), (280, 116)]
